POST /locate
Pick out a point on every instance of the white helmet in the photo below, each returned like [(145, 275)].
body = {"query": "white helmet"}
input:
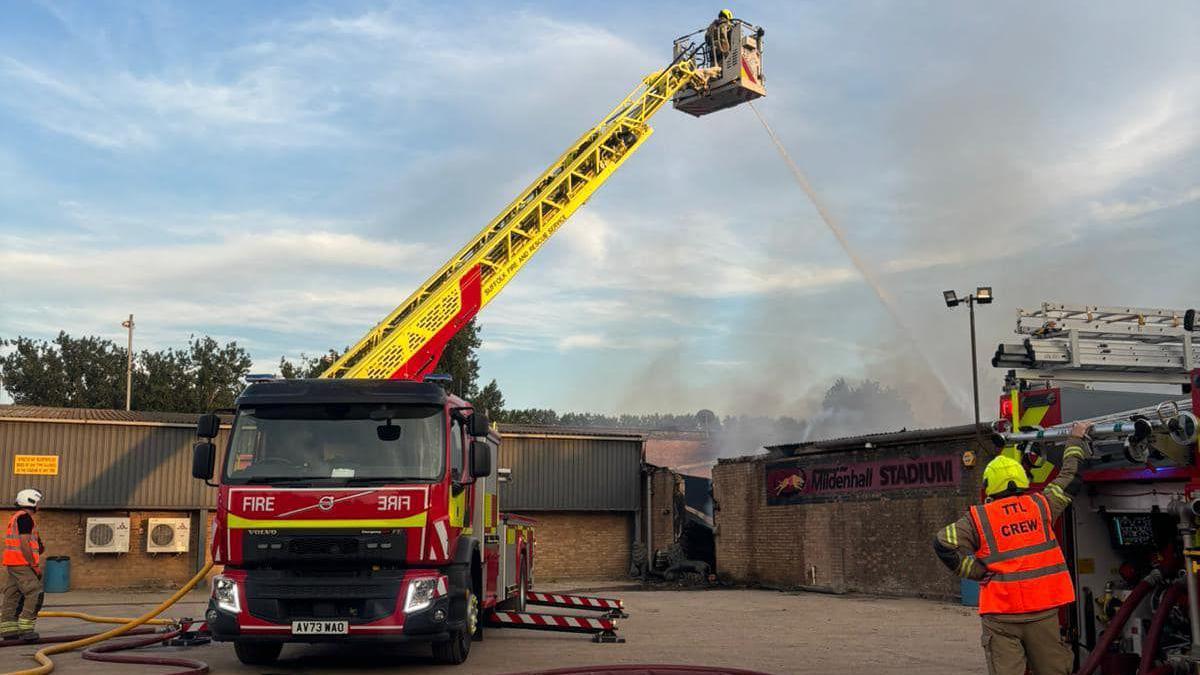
[(29, 498)]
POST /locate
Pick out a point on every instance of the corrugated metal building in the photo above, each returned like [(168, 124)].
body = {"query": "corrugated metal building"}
[(584, 488), (583, 485), (571, 469), (108, 459)]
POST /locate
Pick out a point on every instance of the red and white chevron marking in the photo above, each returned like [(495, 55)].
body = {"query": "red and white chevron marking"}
[(573, 601), (551, 621)]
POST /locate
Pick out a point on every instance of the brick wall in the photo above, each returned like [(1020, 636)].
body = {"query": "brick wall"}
[(666, 489), (63, 533), (582, 545), (880, 543)]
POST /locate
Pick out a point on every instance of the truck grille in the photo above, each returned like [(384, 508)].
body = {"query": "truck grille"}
[(323, 546), (322, 591), (283, 548), (281, 597)]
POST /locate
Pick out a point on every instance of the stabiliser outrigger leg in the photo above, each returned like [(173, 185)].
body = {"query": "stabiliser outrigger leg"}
[(601, 630), (612, 607)]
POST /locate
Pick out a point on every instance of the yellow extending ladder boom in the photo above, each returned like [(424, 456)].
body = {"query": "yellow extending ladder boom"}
[(409, 341)]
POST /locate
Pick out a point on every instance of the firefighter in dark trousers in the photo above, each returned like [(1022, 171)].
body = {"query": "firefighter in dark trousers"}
[(22, 577), (717, 36), (1008, 545)]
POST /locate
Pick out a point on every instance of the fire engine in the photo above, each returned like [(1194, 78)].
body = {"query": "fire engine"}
[(1130, 534), (365, 505)]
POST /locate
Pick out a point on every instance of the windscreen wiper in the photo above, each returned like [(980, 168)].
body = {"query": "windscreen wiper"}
[(282, 481), (362, 480)]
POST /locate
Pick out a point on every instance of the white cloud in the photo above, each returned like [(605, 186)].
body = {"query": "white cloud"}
[(584, 341), (1164, 125), (310, 279), (1129, 210), (698, 255)]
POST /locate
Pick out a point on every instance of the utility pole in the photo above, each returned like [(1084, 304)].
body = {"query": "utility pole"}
[(128, 324)]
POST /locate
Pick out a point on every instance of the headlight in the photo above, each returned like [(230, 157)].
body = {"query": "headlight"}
[(225, 592), (421, 593)]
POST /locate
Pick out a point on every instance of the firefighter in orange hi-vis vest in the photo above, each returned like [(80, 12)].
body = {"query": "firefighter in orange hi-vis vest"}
[(21, 597), (1008, 545)]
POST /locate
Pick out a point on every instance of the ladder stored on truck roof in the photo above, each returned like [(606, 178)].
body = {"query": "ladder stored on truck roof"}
[(1090, 343), (408, 342)]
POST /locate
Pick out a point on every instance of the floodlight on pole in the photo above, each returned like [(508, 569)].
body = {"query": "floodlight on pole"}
[(983, 296)]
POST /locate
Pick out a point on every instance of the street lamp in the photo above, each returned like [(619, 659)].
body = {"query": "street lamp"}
[(983, 296)]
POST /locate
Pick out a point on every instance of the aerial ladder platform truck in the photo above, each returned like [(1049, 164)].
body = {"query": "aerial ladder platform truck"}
[(364, 505), (1130, 535)]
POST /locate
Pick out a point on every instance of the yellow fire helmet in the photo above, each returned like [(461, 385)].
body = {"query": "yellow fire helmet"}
[(1004, 473), (726, 14)]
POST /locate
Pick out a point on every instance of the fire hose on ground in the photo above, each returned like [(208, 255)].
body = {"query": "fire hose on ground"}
[(92, 618), (43, 655), (55, 639), (104, 653)]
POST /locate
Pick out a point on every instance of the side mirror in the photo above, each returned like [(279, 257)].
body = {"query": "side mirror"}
[(481, 459), (208, 425), (478, 425), (204, 460)]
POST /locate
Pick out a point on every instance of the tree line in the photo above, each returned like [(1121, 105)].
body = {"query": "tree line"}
[(203, 375), (90, 372)]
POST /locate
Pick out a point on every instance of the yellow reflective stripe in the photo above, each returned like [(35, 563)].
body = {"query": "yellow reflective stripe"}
[(237, 522), (1057, 492), (458, 508), (965, 567), (1073, 451), (952, 535)]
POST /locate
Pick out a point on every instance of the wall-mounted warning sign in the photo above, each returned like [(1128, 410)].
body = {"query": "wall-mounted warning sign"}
[(35, 465)]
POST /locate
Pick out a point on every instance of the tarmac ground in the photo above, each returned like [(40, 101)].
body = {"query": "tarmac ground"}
[(767, 631)]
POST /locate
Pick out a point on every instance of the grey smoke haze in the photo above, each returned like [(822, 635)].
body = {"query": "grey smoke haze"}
[(846, 409)]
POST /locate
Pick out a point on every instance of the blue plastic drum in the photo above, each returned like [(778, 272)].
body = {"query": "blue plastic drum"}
[(57, 577), (970, 593)]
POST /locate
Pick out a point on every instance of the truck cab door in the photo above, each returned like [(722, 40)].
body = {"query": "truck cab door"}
[(486, 520)]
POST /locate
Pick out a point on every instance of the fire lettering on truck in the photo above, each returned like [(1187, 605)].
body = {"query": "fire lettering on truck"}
[(394, 502), (259, 503)]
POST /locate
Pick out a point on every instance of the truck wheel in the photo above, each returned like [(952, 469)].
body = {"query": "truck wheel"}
[(257, 653), (521, 604), (456, 650)]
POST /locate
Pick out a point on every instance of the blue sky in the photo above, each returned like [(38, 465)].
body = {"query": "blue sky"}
[(283, 174)]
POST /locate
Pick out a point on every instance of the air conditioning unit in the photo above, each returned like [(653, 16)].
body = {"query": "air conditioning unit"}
[(107, 535), (168, 535)]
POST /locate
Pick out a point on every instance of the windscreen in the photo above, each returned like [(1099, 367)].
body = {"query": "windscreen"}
[(336, 443)]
